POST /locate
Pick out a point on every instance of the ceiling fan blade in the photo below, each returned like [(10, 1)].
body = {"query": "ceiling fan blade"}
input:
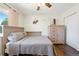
[(38, 8), (48, 5)]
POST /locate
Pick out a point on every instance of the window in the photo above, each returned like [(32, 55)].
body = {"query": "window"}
[(3, 19)]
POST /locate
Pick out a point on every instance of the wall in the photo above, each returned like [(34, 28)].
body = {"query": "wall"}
[(71, 20), (12, 18), (21, 20), (15, 18), (43, 22)]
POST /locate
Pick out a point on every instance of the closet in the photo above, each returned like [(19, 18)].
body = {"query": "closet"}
[(72, 24)]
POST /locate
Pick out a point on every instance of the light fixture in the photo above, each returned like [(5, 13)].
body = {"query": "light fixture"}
[(48, 5), (38, 8)]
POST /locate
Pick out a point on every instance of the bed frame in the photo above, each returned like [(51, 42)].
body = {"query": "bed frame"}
[(6, 31), (32, 33)]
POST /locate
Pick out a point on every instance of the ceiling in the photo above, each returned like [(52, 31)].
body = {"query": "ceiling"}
[(30, 8)]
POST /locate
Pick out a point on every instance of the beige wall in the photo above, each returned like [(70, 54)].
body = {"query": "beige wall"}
[(12, 18), (21, 19), (15, 18)]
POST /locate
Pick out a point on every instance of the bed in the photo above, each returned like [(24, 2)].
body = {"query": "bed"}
[(39, 45), (29, 43)]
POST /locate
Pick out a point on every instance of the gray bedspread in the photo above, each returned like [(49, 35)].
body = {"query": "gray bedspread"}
[(39, 45)]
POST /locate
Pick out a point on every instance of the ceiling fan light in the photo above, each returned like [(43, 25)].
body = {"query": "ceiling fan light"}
[(48, 5), (38, 8)]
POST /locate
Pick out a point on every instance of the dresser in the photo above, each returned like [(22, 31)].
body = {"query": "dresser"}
[(57, 34)]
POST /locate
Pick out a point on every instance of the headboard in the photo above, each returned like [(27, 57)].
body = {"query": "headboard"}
[(7, 30), (31, 33)]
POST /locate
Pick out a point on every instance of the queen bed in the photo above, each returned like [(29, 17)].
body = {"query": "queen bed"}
[(16, 41), (39, 45)]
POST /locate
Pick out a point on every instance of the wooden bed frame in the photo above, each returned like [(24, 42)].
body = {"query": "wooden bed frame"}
[(32, 33), (6, 31)]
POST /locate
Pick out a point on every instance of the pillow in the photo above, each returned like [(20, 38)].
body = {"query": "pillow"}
[(20, 35), (16, 36), (25, 33), (11, 39)]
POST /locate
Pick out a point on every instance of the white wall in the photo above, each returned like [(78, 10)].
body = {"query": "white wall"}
[(71, 20), (21, 20), (43, 22)]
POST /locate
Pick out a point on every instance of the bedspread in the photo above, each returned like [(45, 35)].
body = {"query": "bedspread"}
[(39, 45)]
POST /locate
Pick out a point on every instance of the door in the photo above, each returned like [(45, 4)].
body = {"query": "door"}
[(72, 24)]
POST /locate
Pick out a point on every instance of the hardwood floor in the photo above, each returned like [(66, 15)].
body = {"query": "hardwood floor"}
[(60, 50), (65, 50)]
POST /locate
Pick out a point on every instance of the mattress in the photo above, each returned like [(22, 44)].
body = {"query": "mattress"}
[(39, 45)]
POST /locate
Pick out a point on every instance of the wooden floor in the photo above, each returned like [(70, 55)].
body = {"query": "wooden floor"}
[(65, 50), (60, 50)]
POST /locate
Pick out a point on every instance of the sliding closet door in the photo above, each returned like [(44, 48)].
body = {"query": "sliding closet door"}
[(72, 34)]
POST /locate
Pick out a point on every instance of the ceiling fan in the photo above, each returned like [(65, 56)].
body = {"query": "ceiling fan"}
[(49, 5)]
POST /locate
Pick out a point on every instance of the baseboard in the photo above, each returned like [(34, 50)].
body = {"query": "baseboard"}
[(73, 47)]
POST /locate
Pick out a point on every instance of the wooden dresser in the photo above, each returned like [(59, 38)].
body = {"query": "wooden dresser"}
[(57, 34)]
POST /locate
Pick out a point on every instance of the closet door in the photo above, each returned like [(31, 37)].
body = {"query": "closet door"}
[(72, 24)]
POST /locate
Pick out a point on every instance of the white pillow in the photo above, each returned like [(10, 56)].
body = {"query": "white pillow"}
[(25, 33), (16, 36), (20, 35), (12, 39)]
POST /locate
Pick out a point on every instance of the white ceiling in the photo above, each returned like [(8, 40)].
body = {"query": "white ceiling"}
[(30, 8)]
